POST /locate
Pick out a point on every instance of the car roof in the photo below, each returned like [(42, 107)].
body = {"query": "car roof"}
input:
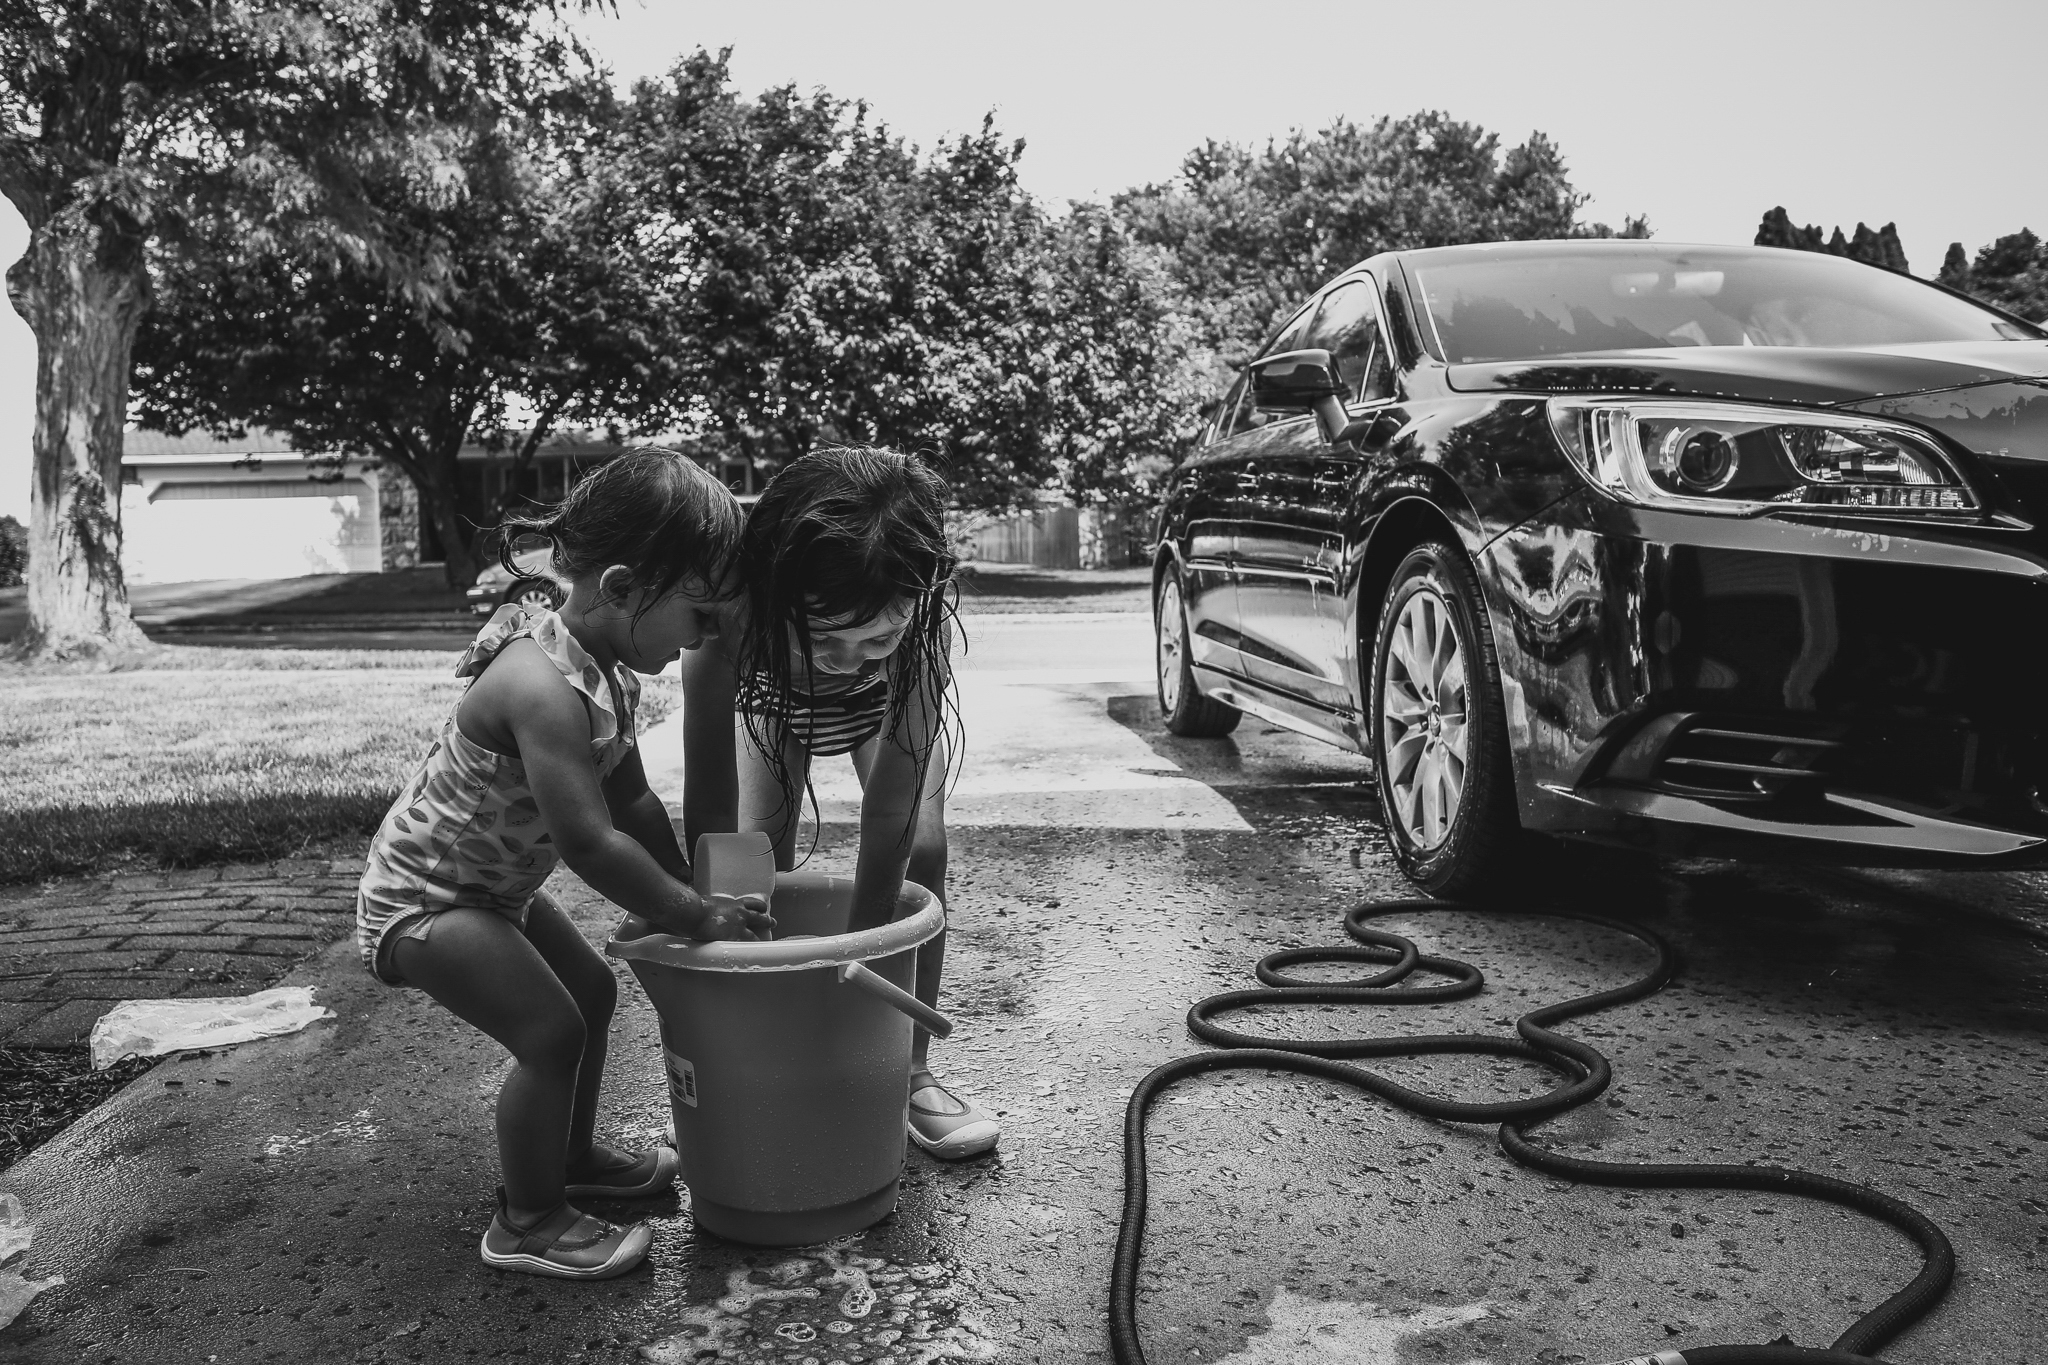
[(1551, 248)]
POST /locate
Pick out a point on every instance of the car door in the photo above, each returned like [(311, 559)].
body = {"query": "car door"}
[(1291, 549), (1208, 589), (1223, 495)]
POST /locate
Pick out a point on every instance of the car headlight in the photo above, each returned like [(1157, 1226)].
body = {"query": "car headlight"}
[(1742, 461)]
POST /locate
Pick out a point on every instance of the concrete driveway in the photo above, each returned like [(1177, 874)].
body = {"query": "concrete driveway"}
[(319, 1197)]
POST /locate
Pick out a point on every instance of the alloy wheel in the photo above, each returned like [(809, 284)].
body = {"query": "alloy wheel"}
[(1172, 643), (1423, 719)]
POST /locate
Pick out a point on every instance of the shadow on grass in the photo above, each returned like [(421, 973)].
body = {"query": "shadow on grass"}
[(1020, 580), (397, 592), (58, 841)]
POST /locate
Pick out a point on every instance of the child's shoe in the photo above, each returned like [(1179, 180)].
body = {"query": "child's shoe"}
[(607, 1173), (945, 1125), (565, 1243)]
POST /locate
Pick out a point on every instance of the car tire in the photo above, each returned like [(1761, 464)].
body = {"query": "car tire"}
[(1181, 702), (1439, 732), (534, 594)]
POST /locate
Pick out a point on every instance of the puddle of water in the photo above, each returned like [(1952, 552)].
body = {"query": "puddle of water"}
[(358, 1128), (831, 1306), (1305, 1329)]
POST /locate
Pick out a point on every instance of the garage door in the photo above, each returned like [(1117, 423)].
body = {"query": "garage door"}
[(252, 528)]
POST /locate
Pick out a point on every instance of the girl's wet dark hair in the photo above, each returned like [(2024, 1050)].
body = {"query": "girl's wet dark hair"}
[(653, 510), (838, 537)]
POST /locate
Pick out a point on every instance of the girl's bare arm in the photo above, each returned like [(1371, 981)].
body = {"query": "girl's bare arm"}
[(711, 782), (638, 812), (524, 695), (890, 801)]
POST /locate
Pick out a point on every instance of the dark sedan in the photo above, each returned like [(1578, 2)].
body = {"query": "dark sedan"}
[(1700, 549)]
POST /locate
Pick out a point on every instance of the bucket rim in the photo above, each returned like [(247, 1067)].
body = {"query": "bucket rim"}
[(919, 919)]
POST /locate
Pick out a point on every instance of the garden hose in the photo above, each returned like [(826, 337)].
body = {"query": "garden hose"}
[(1585, 1074)]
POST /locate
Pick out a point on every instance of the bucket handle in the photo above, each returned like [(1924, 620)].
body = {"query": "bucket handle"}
[(854, 974)]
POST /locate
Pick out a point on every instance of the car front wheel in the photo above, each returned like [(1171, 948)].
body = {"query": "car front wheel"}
[(534, 595), (1440, 745), (1187, 711)]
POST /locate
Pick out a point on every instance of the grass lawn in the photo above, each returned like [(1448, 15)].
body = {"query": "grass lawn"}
[(991, 588), (192, 755), (214, 755)]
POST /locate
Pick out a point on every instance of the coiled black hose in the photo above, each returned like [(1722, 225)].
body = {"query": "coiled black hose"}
[(1585, 1071)]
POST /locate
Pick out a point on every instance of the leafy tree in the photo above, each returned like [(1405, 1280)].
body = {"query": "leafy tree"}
[(553, 311), (2011, 273), (1247, 233), (1879, 248), (121, 121), (829, 283), (1128, 389), (13, 552)]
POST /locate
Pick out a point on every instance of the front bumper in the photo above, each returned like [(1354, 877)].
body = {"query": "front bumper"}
[(484, 598), (1701, 684)]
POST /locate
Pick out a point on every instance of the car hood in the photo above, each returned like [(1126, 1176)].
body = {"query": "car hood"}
[(1768, 374), (2007, 421)]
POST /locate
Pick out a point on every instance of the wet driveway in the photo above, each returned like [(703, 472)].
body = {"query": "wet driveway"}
[(319, 1197)]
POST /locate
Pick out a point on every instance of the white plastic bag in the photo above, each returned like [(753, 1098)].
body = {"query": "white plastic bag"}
[(150, 1028), (16, 1232)]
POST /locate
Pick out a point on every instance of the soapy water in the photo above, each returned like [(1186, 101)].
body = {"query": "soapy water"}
[(359, 1128), (828, 1305)]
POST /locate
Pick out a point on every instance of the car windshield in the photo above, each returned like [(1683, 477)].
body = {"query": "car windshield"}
[(1620, 299)]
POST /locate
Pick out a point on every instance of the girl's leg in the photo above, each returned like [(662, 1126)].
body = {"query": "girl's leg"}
[(768, 802), (590, 983), (478, 965)]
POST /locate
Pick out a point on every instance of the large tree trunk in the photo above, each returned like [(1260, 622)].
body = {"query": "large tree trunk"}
[(82, 287), (441, 499)]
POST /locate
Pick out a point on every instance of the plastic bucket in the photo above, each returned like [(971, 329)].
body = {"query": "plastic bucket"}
[(789, 1081)]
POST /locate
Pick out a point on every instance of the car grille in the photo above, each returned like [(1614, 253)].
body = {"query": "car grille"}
[(1739, 760), (2028, 484)]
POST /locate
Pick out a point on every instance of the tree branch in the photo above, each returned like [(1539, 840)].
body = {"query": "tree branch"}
[(24, 178)]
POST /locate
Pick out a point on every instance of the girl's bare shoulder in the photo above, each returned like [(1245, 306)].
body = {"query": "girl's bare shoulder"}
[(523, 684)]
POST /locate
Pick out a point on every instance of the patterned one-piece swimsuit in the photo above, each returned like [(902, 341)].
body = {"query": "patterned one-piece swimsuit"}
[(465, 832)]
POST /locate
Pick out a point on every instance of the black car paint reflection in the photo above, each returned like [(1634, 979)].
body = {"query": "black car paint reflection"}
[(1810, 680)]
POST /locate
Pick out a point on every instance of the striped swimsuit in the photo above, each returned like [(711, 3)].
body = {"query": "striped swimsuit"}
[(466, 832), (833, 719)]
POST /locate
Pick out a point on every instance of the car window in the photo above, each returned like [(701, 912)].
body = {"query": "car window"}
[(1508, 307), (1348, 327), (1225, 423), (1288, 338)]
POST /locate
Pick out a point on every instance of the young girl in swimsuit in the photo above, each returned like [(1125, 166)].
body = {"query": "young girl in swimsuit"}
[(537, 764), (846, 612)]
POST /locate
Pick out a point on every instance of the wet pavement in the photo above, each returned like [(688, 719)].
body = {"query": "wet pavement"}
[(319, 1197)]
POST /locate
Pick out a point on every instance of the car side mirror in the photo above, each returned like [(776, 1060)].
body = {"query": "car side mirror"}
[(1295, 381), (1307, 381)]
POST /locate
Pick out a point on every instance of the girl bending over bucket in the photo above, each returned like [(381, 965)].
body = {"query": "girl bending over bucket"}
[(537, 763), (846, 622)]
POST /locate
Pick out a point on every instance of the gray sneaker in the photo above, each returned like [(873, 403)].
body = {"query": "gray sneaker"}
[(945, 1125), (608, 1173), (566, 1244)]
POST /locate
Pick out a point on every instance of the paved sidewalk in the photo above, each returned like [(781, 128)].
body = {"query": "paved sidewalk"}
[(70, 949)]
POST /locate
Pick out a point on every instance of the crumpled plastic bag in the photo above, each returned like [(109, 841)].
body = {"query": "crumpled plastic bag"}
[(16, 1232), (150, 1028)]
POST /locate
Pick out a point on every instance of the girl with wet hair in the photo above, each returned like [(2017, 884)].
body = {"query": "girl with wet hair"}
[(844, 629), (538, 763)]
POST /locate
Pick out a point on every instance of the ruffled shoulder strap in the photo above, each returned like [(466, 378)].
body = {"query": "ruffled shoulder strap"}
[(511, 622)]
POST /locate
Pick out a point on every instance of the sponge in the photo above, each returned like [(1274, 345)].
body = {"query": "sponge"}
[(734, 865)]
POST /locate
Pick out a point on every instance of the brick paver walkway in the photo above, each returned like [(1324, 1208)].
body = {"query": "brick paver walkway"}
[(70, 949)]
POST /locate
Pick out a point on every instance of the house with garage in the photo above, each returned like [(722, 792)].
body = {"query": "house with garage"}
[(201, 506)]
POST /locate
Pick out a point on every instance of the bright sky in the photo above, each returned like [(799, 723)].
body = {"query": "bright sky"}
[(1701, 115)]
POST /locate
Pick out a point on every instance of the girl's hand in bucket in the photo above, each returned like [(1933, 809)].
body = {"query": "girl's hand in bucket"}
[(735, 917)]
